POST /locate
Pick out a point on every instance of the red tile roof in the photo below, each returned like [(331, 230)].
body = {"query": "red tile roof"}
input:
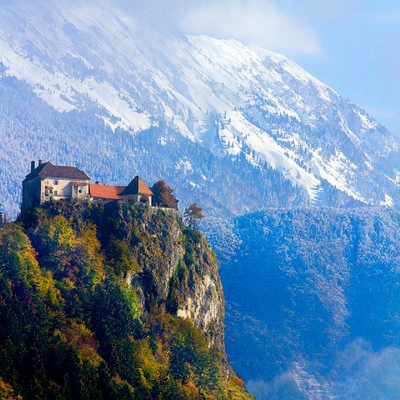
[(99, 191), (137, 186)]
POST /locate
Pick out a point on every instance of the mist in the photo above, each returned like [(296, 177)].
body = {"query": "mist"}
[(254, 22), (359, 372)]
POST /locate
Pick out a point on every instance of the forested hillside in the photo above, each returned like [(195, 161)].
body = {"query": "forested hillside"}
[(89, 303), (313, 300)]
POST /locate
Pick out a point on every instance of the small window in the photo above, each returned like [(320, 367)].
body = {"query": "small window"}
[(80, 191), (55, 193), (56, 182)]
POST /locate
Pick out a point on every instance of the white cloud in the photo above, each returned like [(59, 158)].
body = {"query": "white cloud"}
[(256, 22)]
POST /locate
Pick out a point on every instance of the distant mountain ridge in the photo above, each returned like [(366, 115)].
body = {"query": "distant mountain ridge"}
[(90, 72), (312, 300)]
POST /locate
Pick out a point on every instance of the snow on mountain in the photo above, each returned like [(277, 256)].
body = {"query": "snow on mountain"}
[(231, 99)]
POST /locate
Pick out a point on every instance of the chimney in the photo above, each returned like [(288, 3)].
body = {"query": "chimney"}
[(40, 162), (32, 166)]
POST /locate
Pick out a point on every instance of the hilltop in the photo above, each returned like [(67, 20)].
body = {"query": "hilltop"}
[(110, 301)]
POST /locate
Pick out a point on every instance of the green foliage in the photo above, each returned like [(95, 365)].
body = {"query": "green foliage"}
[(176, 296), (121, 257), (71, 327)]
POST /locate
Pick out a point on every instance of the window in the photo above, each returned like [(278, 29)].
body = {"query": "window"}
[(55, 182), (80, 191), (55, 193)]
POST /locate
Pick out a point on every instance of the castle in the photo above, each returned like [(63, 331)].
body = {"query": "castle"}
[(48, 182)]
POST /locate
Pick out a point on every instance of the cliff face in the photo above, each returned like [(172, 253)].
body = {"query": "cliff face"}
[(176, 270), (111, 302), (203, 302)]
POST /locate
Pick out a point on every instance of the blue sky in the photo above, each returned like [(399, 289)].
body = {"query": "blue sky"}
[(351, 45), (359, 51)]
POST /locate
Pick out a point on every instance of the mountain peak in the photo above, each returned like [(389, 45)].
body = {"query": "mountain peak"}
[(233, 100)]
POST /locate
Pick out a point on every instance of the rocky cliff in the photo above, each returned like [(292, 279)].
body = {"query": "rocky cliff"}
[(176, 270), (110, 302)]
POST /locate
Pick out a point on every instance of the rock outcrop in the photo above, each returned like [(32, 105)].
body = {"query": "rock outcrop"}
[(177, 270)]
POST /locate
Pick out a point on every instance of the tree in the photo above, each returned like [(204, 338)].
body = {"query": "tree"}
[(2, 217), (163, 196), (192, 215)]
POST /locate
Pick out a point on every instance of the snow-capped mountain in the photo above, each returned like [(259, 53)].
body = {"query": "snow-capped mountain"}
[(249, 107)]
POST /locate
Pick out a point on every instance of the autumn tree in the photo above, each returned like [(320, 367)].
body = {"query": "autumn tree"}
[(192, 214), (163, 196)]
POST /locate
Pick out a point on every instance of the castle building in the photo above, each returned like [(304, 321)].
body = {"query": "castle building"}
[(48, 182), (53, 182), (137, 191)]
